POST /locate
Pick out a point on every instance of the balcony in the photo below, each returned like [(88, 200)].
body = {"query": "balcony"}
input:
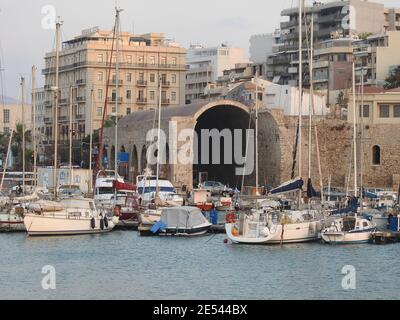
[(166, 84), (113, 99), (80, 116), (333, 17), (114, 82), (47, 87), (62, 101), (80, 99), (165, 101), (48, 120), (141, 100), (63, 118), (48, 104), (141, 83), (81, 82)]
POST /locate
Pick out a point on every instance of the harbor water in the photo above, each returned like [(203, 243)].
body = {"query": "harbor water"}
[(123, 265)]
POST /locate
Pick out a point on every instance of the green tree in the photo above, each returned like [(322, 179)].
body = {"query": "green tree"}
[(393, 81), (16, 148)]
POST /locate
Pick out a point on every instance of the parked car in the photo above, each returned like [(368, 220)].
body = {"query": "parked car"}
[(216, 188)]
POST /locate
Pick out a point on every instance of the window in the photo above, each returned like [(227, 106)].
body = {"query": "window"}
[(152, 77), (141, 76), (100, 58), (396, 111), (128, 111), (364, 112), (173, 78), (100, 94), (129, 59), (100, 76), (99, 111), (376, 155), (152, 60), (152, 95), (128, 94), (129, 77), (174, 61), (141, 59), (173, 96), (6, 116), (384, 111), (163, 60)]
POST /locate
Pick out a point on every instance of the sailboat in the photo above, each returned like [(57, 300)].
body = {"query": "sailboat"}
[(275, 225), (351, 229), (72, 215)]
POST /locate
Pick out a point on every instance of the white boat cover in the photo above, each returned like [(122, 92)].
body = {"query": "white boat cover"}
[(45, 206), (183, 217)]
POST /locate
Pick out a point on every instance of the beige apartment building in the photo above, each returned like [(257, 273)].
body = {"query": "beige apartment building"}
[(11, 114), (380, 107), (378, 56), (84, 72)]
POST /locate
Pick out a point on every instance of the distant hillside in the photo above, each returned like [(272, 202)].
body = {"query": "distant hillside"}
[(8, 100)]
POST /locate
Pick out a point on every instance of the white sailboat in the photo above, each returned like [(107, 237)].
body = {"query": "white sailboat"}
[(72, 216), (353, 229), (273, 225)]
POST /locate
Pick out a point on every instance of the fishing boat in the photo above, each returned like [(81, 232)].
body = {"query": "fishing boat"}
[(181, 221), (67, 217), (349, 230)]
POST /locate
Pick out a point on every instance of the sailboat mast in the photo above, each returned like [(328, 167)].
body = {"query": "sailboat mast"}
[(56, 97), (23, 131), (311, 102), (34, 125), (355, 132), (7, 159), (70, 135), (91, 142), (159, 136), (257, 168), (361, 140), (117, 34), (301, 3)]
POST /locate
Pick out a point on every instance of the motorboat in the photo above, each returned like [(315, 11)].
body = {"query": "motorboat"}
[(72, 216), (104, 192), (128, 211), (182, 221), (147, 189), (348, 230)]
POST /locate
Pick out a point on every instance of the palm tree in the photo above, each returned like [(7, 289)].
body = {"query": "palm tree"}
[(393, 81), (16, 147)]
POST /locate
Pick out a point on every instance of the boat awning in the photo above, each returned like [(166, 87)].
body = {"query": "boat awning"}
[(123, 186)]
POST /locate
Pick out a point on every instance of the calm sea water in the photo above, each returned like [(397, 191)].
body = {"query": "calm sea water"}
[(123, 265)]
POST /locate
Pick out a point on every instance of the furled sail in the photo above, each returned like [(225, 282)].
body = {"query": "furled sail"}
[(289, 186)]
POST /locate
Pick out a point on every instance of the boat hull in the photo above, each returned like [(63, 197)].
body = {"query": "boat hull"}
[(10, 222), (38, 225), (295, 233), (347, 237)]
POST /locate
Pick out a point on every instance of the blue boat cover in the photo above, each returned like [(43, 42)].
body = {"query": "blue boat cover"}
[(288, 187), (158, 226)]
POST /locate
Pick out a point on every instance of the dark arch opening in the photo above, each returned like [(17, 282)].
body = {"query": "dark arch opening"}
[(135, 160), (376, 155), (221, 118), (143, 159)]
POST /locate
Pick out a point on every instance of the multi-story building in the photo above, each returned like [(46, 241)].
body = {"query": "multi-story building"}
[(261, 46), (11, 114), (206, 65), (336, 19), (392, 19), (378, 55), (85, 72)]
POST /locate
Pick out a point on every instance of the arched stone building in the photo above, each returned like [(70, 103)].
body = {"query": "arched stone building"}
[(135, 129)]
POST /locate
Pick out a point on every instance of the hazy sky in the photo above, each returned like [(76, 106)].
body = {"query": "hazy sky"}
[(23, 41)]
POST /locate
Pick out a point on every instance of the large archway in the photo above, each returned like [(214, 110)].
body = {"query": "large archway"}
[(222, 120)]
